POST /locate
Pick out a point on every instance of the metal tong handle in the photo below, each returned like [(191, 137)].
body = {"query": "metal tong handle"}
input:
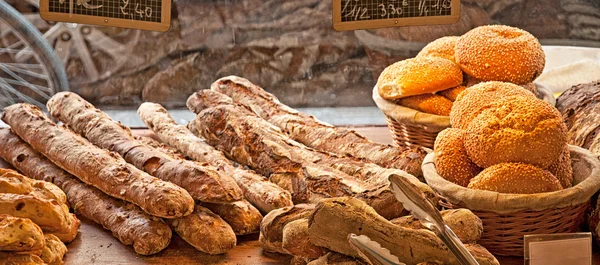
[(456, 247), (372, 251)]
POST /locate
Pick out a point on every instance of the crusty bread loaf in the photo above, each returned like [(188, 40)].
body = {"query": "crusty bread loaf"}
[(10, 258), (296, 240), (417, 76), (516, 178), (243, 218), (428, 103), (451, 159), (478, 98), (19, 234), (452, 93), (516, 129), (15, 183), (73, 230), (271, 228), (442, 47), (54, 251), (561, 168), (48, 214), (464, 223)]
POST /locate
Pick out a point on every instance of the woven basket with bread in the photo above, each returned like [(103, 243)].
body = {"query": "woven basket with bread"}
[(416, 95), (506, 158)]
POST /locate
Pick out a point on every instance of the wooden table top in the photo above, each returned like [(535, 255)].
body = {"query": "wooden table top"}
[(94, 245)]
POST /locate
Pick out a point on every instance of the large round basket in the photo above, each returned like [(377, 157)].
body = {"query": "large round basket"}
[(507, 218), (411, 128)]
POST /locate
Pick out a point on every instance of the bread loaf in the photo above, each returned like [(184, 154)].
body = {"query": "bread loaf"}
[(13, 182), (9, 258), (464, 223), (296, 240), (73, 230), (428, 103), (48, 214), (517, 178), (332, 258), (579, 108), (54, 251), (451, 159), (271, 228), (243, 218), (20, 234)]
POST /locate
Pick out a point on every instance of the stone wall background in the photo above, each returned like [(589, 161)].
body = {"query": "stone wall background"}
[(291, 49)]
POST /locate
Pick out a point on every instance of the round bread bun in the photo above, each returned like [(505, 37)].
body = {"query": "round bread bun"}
[(451, 159), (452, 93), (516, 129), (442, 47), (515, 178), (562, 169), (500, 53), (475, 99), (428, 103), (416, 76)]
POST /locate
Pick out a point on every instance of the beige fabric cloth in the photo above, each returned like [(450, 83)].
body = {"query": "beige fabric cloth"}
[(586, 173)]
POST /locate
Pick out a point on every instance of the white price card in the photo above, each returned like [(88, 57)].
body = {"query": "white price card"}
[(558, 249)]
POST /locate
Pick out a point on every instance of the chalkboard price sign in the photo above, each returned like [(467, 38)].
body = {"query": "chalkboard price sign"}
[(139, 14), (366, 14)]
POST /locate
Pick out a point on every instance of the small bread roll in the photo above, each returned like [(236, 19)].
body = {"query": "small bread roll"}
[(500, 53), (562, 169), (452, 93), (451, 159), (428, 103), (442, 47), (479, 97), (516, 178), (54, 251), (418, 76), (19, 234), (516, 129)]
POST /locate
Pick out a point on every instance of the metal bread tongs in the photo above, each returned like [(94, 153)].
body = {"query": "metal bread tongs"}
[(414, 201), (372, 251)]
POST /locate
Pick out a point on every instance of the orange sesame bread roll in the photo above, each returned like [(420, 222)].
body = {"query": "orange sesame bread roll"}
[(561, 168), (428, 103), (516, 178), (452, 93), (418, 76), (451, 159), (442, 47), (500, 53)]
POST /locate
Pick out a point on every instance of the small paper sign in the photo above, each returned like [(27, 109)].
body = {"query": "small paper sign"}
[(559, 249)]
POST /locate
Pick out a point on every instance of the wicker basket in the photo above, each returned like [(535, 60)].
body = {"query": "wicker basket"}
[(413, 128), (507, 218)]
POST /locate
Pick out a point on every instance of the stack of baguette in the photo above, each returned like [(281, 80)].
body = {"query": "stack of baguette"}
[(506, 140), (34, 221), (432, 81)]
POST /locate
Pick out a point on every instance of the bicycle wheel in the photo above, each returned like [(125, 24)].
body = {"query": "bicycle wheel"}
[(33, 79)]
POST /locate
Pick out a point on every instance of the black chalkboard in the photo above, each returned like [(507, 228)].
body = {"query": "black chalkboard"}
[(143, 14), (364, 14)]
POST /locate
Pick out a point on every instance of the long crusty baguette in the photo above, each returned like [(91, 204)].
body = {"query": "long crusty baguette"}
[(20, 234), (334, 219), (48, 214), (309, 130), (127, 222), (202, 183), (95, 166), (13, 182), (53, 251), (243, 218), (258, 190), (160, 147), (205, 231)]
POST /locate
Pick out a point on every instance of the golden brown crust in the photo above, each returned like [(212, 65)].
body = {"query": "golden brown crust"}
[(15, 183), (428, 103), (442, 47), (9, 258), (464, 223), (73, 231), (500, 53), (48, 214), (516, 178), (516, 129), (417, 76), (452, 93), (271, 227), (296, 240), (451, 159), (54, 251), (479, 97), (19, 234), (243, 218), (561, 168)]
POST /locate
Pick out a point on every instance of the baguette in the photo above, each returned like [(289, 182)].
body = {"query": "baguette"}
[(98, 167), (20, 234), (13, 182), (54, 251), (263, 194), (307, 129), (243, 218), (160, 147), (127, 222), (48, 214), (334, 219), (271, 228), (205, 231), (202, 183), (296, 240), (9, 258)]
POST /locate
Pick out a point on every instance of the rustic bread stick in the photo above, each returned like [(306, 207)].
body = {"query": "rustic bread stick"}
[(13, 182), (95, 166), (9, 258), (160, 147), (307, 129), (243, 218), (258, 190), (202, 183), (48, 214), (205, 231), (20, 234), (128, 223), (54, 251)]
